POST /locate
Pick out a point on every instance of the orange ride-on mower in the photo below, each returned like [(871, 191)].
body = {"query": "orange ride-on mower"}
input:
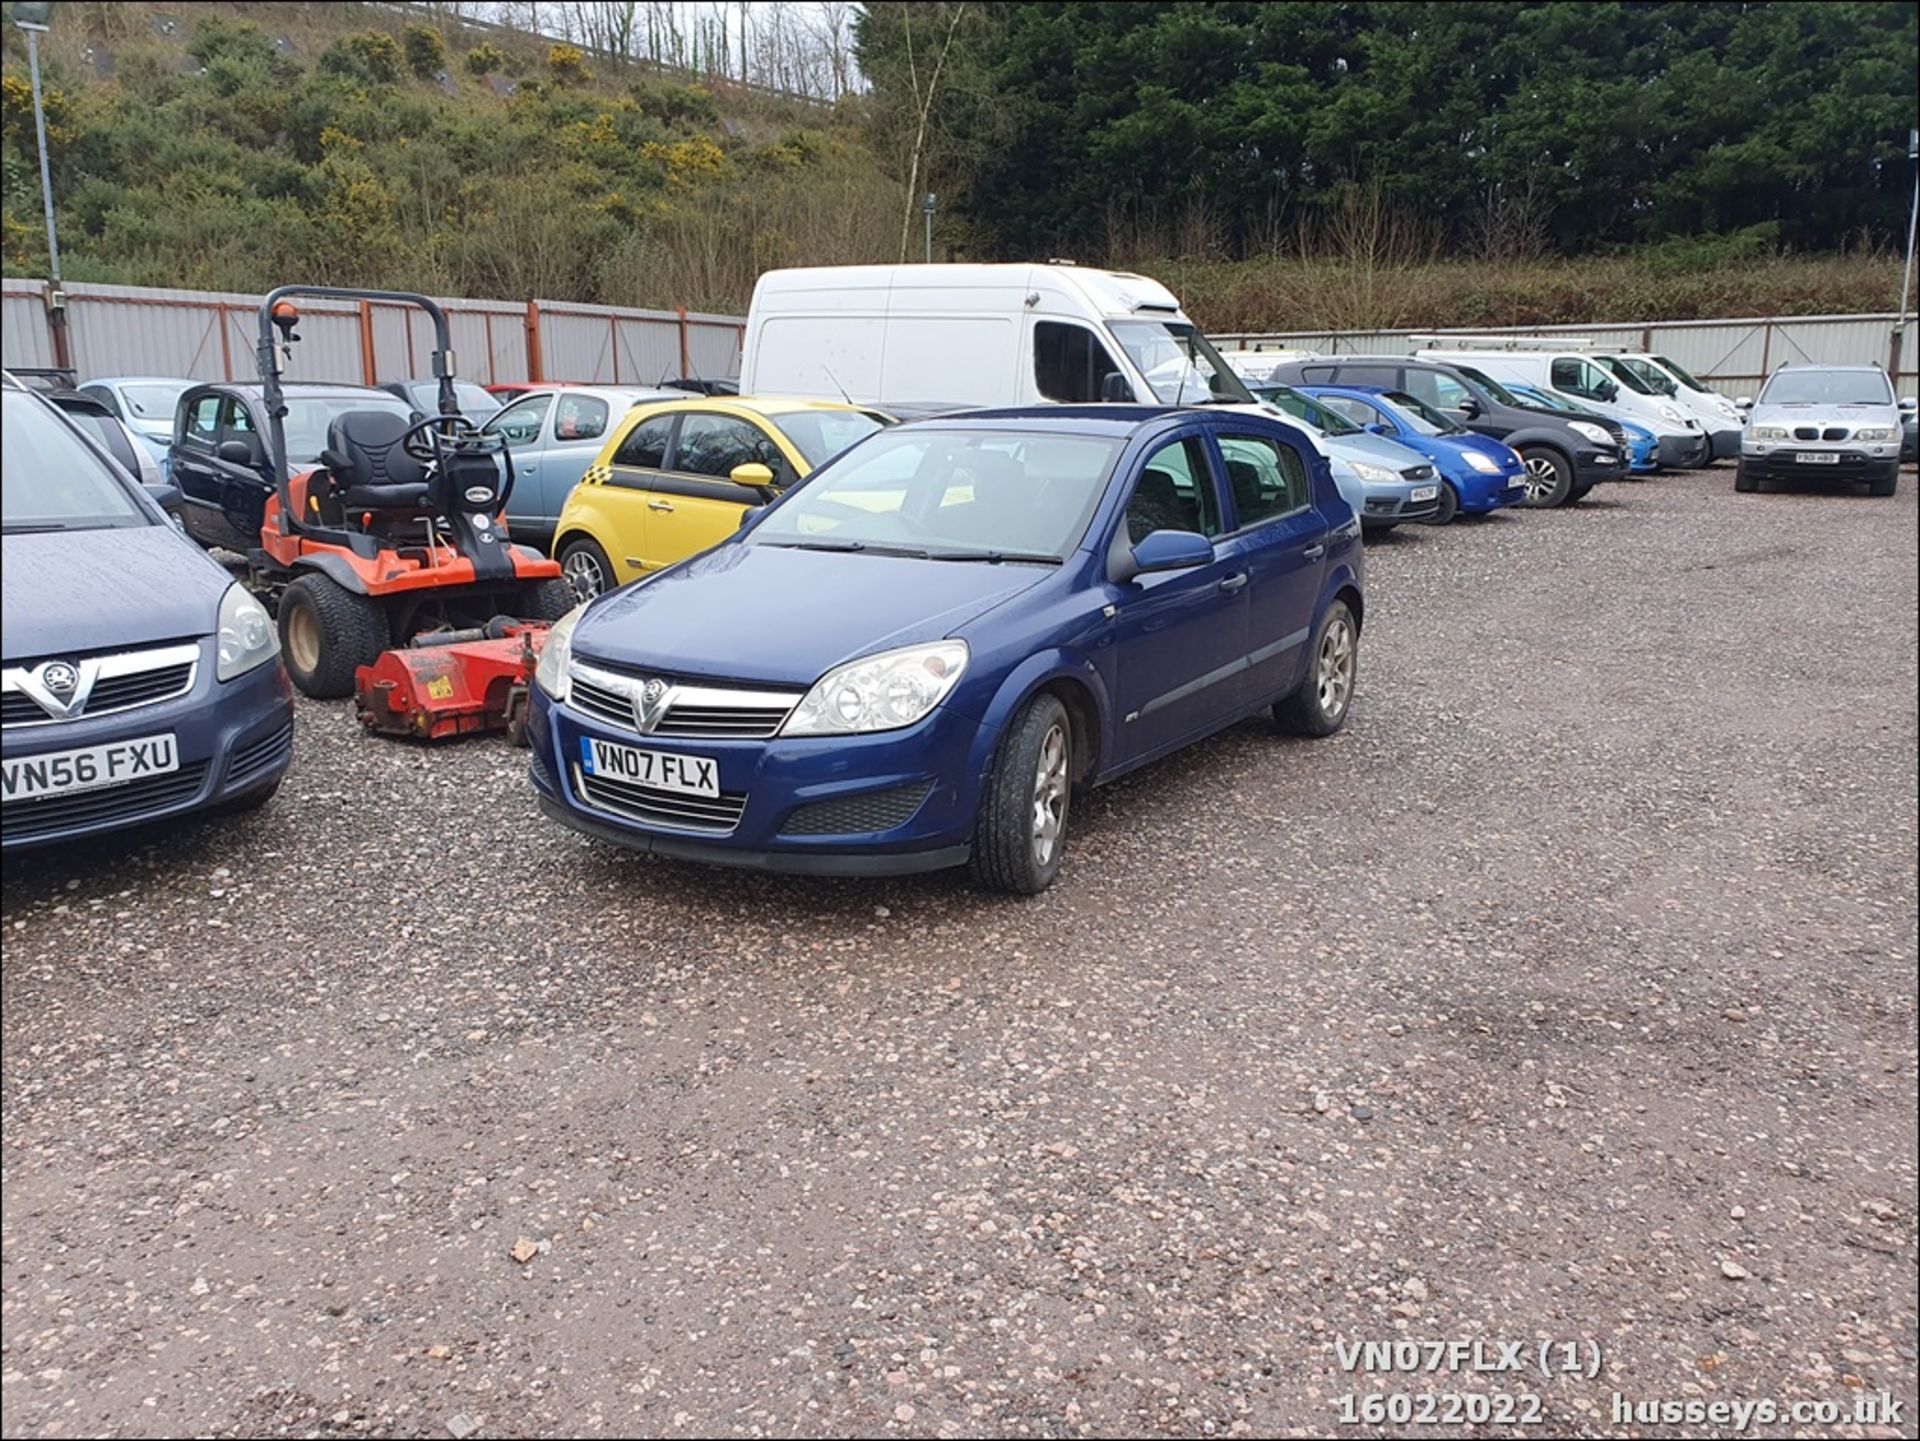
[(397, 536)]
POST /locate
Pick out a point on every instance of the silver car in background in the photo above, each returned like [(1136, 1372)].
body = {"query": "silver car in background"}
[(1823, 422)]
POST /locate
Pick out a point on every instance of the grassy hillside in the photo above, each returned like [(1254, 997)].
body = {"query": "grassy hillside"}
[(366, 150)]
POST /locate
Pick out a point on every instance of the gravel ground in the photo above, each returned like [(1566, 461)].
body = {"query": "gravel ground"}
[(1569, 994)]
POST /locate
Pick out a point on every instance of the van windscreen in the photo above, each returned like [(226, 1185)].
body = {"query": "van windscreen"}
[(1179, 363)]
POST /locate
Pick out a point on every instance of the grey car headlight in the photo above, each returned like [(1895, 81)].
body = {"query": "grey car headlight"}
[(556, 655), (246, 638), (1766, 432), (1374, 474), (1874, 432), (880, 692)]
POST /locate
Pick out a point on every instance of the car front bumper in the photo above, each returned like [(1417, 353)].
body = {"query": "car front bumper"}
[(232, 737), (1481, 491), (1593, 466), (1392, 503), (1854, 464), (1724, 444), (1683, 452), (884, 804)]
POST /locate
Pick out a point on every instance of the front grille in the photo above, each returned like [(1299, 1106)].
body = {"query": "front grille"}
[(1417, 472), (141, 688), (135, 801), (652, 806), (694, 712), (855, 815), (119, 682), (1835, 432), (257, 758), (1617, 431), (1806, 432)]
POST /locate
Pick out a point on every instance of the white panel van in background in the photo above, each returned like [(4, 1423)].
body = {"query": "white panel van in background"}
[(977, 335)]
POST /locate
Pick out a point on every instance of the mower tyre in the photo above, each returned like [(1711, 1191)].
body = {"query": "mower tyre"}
[(327, 633), (548, 599)]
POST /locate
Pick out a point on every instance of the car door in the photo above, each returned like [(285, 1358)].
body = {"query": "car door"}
[(196, 433), (694, 504), (576, 433), (245, 483), (1180, 636), (1281, 536), (522, 426), (625, 496)]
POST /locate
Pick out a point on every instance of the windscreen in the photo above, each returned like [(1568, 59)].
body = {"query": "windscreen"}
[(820, 435), (1487, 383), (1531, 399), (949, 495), (51, 480), (1421, 418), (1290, 402), (1179, 363), (1827, 387), (1682, 376), (309, 416), (149, 406), (1640, 376)]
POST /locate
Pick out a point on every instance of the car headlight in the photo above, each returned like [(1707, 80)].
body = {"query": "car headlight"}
[(1766, 432), (1874, 432), (247, 638), (557, 655), (1376, 474), (1671, 414), (1483, 463), (879, 692), (1596, 433)]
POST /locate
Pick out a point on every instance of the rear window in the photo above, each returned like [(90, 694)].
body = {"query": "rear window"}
[(50, 479)]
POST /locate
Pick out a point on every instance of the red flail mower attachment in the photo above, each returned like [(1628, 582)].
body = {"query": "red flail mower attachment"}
[(453, 682)]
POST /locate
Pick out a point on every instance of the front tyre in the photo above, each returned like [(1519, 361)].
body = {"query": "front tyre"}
[(1744, 480), (1020, 836), (1449, 505), (327, 632), (1319, 704), (586, 568), (1549, 478)]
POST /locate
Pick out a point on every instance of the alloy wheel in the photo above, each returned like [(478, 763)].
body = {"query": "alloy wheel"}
[(583, 573), (1334, 676), (1542, 477), (1049, 795)]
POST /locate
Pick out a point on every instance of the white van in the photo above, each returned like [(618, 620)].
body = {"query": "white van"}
[(1574, 374), (1718, 416), (977, 335)]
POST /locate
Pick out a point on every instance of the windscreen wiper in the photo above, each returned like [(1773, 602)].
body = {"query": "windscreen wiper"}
[(997, 557), (37, 528), (864, 547)]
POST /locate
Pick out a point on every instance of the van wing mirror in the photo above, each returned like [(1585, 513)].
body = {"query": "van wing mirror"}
[(1115, 387)]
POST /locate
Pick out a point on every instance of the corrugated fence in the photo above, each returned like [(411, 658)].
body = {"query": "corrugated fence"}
[(1732, 356), (208, 335)]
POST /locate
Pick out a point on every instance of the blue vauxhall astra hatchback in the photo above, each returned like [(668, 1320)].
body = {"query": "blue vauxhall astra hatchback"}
[(913, 659), (140, 681)]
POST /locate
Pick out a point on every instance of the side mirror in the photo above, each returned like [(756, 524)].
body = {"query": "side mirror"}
[(167, 497), (749, 516), (1171, 550), (1908, 405), (1609, 392), (1469, 407), (1745, 402), (1115, 387), (752, 474), (1378, 427), (235, 452)]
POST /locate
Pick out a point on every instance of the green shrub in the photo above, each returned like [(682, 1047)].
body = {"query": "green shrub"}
[(485, 58), (567, 64), (426, 50), (372, 56), (678, 105), (242, 40)]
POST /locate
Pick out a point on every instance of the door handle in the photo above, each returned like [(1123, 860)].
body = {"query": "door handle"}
[(1314, 552), (1233, 583), (658, 505)]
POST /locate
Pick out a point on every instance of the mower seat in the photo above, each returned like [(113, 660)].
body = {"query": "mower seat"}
[(370, 471)]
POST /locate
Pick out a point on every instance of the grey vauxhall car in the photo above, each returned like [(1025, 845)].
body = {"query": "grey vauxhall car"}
[(1823, 422)]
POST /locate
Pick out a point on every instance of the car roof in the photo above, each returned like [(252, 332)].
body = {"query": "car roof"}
[(304, 387), (1816, 366), (1109, 419), (143, 380)]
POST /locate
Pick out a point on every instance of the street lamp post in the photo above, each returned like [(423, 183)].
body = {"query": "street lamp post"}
[(1906, 275), (926, 209), (33, 19)]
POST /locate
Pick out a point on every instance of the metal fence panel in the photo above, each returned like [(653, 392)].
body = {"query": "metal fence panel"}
[(1733, 356), (23, 324)]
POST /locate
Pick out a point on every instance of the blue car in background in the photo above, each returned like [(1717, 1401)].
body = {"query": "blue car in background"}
[(976, 615), (137, 679), (1643, 446), (146, 404), (1385, 482), (1478, 474)]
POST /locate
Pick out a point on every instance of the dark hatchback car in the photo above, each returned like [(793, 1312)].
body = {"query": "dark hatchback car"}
[(910, 660), (219, 451), (1565, 457), (137, 680), (476, 402)]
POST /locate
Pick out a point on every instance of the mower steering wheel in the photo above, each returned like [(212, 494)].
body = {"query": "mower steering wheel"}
[(423, 440)]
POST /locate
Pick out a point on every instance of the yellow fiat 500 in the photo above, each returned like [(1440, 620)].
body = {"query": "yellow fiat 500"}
[(674, 477)]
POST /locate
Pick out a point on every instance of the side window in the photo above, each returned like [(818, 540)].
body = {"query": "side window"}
[(1069, 362), (1576, 377), (645, 446), (1174, 492), (203, 422), (715, 444), (103, 395), (1385, 375), (1267, 479), (519, 423), (1317, 375), (1436, 388), (235, 423), (579, 417)]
